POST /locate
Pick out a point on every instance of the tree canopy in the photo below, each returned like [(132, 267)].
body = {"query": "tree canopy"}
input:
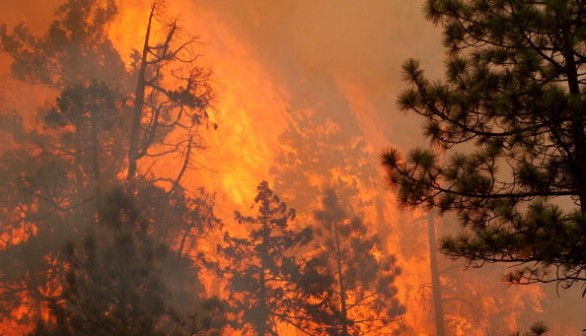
[(262, 267), (360, 296), (507, 128), (120, 279), (58, 176)]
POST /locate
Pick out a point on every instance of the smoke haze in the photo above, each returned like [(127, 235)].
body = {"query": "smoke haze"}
[(341, 61)]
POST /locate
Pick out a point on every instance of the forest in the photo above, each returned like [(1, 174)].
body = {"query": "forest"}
[(185, 167)]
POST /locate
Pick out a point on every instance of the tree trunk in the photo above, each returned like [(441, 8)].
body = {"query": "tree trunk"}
[(342, 289), (95, 150), (438, 307), (138, 103)]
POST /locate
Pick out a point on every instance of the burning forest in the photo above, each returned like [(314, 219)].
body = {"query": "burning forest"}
[(222, 167)]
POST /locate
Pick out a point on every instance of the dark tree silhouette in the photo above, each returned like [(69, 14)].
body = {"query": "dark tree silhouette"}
[(537, 329), (164, 89), (121, 280), (261, 267), (360, 296), (75, 48), (172, 92), (55, 176), (507, 125), (321, 149)]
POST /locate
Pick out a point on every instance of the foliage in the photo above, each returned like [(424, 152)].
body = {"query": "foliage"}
[(57, 175), (507, 127), (164, 89), (261, 267), (537, 329), (121, 281), (360, 296), (75, 48)]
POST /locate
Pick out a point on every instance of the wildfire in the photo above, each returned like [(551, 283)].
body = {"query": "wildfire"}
[(250, 110), (253, 110)]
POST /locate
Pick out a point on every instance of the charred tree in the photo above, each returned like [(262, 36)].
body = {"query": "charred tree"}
[(172, 92)]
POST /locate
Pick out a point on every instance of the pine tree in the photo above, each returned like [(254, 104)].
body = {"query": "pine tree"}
[(121, 280), (360, 297), (507, 125), (57, 175), (171, 92), (261, 267), (74, 50)]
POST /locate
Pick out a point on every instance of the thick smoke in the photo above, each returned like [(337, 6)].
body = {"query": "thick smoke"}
[(335, 57), (340, 60), (311, 47)]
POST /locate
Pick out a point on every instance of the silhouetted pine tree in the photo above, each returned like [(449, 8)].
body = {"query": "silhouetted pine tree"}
[(56, 174), (507, 124), (122, 280), (261, 266), (360, 298)]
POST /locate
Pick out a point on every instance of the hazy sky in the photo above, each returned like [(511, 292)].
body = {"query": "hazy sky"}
[(307, 43)]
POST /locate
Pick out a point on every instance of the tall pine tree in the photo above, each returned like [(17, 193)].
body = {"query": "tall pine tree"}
[(261, 267), (57, 176), (508, 131), (360, 296)]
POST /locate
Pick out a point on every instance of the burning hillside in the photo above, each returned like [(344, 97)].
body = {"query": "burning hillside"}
[(132, 132)]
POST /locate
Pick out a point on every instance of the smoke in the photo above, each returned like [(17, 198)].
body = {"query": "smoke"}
[(309, 47), (342, 61)]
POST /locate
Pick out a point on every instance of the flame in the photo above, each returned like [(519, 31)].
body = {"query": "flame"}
[(253, 109), (250, 109), (406, 238), (400, 238)]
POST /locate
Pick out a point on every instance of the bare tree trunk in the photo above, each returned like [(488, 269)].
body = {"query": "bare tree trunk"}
[(95, 150), (138, 103), (342, 289), (438, 307), (183, 166)]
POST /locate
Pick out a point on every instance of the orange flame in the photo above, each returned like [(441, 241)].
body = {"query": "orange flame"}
[(252, 111)]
